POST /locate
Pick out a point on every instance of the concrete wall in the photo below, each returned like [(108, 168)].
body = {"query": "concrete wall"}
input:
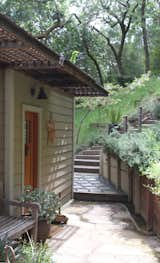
[(1, 133), (56, 160)]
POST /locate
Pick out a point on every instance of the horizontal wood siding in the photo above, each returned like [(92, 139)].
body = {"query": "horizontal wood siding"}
[(56, 158), (1, 133)]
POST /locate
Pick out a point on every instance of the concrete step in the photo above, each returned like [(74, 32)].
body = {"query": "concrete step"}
[(90, 157), (101, 197), (86, 169), (87, 162), (91, 152)]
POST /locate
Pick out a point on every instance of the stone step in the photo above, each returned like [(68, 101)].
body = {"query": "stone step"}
[(150, 122), (90, 157), (133, 130), (86, 169), (101, 197), (87, 162), (91, 152), (96, 147), (86, 174)]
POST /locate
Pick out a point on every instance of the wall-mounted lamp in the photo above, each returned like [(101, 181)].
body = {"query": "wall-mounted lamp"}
[(41, 94)]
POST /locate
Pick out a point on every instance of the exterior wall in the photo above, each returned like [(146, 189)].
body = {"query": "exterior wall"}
[(56, 160), (1, 133)]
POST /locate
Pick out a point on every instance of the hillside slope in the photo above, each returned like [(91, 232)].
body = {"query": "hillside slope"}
[(122, 101)]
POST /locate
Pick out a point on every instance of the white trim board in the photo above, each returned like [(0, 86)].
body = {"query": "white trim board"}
[(9, 132), (38, 110)]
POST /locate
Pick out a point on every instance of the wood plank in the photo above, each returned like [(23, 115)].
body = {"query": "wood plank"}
[(12, 223), (59, 109)]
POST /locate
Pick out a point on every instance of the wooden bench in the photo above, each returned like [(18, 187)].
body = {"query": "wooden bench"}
[(13, 227)]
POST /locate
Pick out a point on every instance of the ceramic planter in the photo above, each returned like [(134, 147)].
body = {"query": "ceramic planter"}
[(43, 230)]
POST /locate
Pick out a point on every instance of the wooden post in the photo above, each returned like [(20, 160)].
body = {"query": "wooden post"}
[(59, 209), (130, 177), (109, 167), (119, 173), (140, 119), (125, 123)]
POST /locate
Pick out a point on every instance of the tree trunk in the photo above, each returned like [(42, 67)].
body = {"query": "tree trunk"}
[(90, 55), (145, 38), (120, 67)]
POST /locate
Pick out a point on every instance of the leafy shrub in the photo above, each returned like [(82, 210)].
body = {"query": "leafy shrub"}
[(96, 139), (48, 201), (156, 111), (137, 149), (153, 172), (141, 150)]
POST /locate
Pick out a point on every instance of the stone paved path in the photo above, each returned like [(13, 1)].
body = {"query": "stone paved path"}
[(102, 233), (87, 183)]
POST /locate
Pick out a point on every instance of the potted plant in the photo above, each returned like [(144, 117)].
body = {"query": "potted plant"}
[(49, 206)]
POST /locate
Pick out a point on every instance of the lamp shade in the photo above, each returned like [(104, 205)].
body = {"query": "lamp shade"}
[(42, 95)]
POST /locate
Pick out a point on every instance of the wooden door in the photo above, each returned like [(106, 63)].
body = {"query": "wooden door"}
[(31, 149)]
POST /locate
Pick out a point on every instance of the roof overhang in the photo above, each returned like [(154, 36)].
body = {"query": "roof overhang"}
[(22, 52)]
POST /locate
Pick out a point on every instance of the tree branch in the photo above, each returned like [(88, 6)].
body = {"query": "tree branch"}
[(93, 59), (59, 24), (108, 41)]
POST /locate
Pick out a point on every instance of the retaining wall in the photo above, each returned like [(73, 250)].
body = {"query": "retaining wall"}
[(130, 181)]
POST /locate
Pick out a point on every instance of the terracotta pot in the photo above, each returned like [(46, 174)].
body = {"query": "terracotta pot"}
[(60, 219), (43, 230)]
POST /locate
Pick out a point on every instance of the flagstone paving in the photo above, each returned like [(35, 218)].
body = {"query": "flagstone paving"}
[(91, 183), (102, 233)]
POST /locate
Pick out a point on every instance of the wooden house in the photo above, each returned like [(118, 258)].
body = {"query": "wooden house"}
[(37, 93)]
